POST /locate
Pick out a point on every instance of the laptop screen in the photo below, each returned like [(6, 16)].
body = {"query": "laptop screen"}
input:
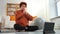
[(49, 26)]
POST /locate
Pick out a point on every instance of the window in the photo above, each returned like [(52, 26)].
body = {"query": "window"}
[(58, 8)]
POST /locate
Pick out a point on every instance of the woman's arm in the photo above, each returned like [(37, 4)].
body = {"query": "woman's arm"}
[(28, 16)]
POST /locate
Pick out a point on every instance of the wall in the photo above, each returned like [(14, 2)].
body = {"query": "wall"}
[(53, 8), (39, 8), (2, 7)]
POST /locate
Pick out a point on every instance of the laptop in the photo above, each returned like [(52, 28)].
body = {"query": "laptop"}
[(49, 27)]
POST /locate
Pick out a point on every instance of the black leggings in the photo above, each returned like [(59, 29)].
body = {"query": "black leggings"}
[(28, 28)]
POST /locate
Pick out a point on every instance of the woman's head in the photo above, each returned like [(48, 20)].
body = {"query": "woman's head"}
[(23, 5)]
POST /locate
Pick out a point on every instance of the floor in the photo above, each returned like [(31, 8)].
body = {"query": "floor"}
[(34, 32)]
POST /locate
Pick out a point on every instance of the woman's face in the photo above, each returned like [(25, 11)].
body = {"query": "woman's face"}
[(23, 7)]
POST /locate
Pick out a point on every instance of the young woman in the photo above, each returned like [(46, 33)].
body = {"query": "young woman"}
[(22, 18)]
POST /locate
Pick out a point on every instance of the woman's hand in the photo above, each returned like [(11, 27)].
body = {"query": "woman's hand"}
[(34, 17)]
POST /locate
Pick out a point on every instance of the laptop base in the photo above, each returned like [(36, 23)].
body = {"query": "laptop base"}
[(48, 31)]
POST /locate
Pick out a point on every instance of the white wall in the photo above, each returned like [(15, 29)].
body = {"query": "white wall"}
[(2, 7), (39, 8), (53, 8)]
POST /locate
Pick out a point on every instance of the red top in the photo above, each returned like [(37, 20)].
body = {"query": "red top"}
[(22, 18)]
